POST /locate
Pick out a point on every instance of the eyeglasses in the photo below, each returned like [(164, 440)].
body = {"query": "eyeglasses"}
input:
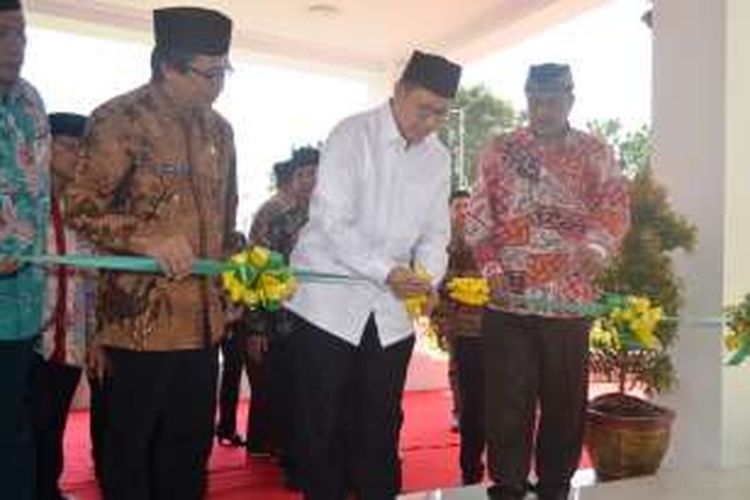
[(214, 73)]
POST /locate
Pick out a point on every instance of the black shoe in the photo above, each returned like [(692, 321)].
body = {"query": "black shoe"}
[(455, 424), (562, 494), (258, 452), (292, 482), (506, 492), (555, 491), (473, 477), (233, 441)]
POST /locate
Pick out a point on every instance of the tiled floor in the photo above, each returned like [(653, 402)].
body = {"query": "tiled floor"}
[(725, 484)]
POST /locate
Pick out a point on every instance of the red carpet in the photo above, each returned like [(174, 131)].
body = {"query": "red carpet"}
[(429, 452)]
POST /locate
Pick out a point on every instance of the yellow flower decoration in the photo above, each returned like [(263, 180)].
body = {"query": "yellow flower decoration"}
[(732, 341), (258, 257), (470, 291), (637, 319), (259, 279)]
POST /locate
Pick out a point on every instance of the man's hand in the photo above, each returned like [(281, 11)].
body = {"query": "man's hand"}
[(256, 346), (433, 299), (8, 266), (174, 254), (97, 362), (233, 313), (405, 283)]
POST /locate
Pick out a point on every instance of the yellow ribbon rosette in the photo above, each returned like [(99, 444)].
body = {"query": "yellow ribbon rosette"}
[(636, 321), (469, 290), (259, 279)]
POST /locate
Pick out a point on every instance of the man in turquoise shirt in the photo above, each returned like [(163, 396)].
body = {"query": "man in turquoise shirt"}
[(24, 209)]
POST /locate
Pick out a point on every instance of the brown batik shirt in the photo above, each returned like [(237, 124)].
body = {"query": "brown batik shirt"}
[(276, 226), (149, 168), (450, 317)]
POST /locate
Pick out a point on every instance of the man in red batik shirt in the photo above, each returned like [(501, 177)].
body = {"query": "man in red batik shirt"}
[(548, 212)]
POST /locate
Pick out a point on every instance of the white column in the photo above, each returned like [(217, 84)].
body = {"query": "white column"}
[(736, 390), (701, 100)]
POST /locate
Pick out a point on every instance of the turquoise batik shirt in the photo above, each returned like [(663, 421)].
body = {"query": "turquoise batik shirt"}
[(24, 208)]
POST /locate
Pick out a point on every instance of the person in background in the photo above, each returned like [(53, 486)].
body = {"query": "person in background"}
[(234, 359), (547, 214), (379, 213), (461, 325), (63, 349), (24, 217), (276, 226), (157, 178)]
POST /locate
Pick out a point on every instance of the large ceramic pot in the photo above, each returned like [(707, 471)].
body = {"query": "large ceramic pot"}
[(626, 436)]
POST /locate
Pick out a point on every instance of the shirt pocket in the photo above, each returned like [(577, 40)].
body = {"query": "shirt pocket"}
[(162, 189)]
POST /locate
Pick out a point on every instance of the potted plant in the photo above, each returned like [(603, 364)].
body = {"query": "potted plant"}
[(737, 338), (627, 434)]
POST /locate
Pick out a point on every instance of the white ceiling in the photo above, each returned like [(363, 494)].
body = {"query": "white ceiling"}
[(367, 35)]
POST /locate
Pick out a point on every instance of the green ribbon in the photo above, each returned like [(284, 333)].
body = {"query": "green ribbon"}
[(606, 304), (207, 267), (137, 264)]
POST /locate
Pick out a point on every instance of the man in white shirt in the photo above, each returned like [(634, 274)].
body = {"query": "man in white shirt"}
[(378, 213)]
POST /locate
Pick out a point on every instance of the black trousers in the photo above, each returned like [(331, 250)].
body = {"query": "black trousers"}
[(260, 425), (470, 375), (98, 421), (234, 360), (54, 386), (281, 386), (17, 454), (160, 424), (453, 379), (534, 361), (270, 422), (349, 413)]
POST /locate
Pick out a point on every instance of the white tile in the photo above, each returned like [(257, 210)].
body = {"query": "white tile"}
[(724, 484)]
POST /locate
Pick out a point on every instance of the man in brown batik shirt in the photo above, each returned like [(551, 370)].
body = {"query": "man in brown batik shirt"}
[(157, 178)]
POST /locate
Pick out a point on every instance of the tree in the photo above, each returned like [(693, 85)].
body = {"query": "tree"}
[(644, 265), (632, 148), (484, 116)]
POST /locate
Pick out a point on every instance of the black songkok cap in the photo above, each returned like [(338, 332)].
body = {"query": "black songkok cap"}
[(69, 124), (549, 78), (10, 5), (193, 30), (435, 73)]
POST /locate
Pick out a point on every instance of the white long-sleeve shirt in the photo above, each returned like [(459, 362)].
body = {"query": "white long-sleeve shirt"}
[(377, 204)]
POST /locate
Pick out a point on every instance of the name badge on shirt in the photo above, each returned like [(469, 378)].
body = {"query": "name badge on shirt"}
[(172, 170)]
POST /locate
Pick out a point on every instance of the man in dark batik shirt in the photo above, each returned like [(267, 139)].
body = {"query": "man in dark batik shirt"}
[(157, 177), (276, 226)]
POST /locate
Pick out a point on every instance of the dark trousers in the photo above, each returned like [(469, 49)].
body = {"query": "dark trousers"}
[(270, 426), (160, 424), (260, 426), (530, 361), (54, 386), (233, 356), (349, 412), (98, 421), (453, 380), (281, 394), (17, 462), (470, 375)]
